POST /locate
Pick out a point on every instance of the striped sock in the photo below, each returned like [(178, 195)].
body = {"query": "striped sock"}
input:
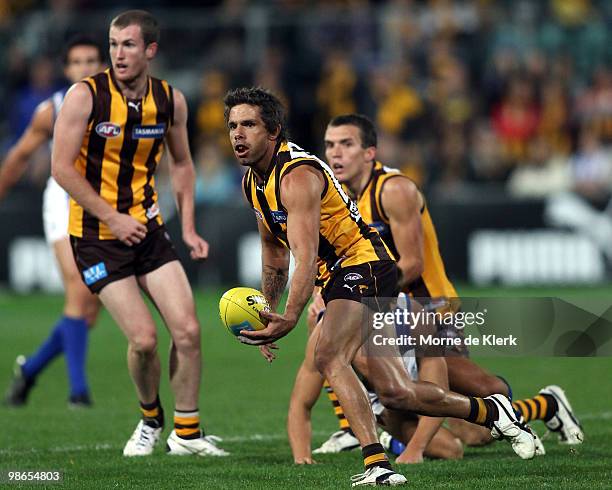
[(374, 455), (482, 412), (541, 407), (343, 422), (152, 413), (187, 424)]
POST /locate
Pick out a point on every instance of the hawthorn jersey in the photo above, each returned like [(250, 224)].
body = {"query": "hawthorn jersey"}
[(120, 152), (344, 238), (433, 282)]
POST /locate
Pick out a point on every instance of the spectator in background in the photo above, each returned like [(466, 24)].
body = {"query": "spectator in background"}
[(336, 88), (592, 168), (217, 179), (40, 86), (399, 107), (210, 121), (545, 173), (486, 157), (516, 119), (594, 105), (554, 124)]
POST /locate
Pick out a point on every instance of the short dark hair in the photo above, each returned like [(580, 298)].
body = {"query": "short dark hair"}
[(271, 108), (148, 24), (366, 127), (81, 40)]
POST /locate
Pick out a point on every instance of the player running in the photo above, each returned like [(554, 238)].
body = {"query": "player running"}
[(82, 58), (109, 138), (300, 205)]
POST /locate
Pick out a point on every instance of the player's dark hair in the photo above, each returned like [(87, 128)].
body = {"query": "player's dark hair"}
[(366, 127), (271, 108), (81, 40), (148, 24)]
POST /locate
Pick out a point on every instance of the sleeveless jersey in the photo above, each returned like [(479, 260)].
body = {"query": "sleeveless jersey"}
[(120, 151), (344, 238), (433, 282)]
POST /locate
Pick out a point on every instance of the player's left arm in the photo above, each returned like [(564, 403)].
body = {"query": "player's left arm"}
[(182, 174), (402, 202), (301, 194)]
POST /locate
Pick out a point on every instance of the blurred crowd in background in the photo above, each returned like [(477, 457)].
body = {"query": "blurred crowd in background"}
[(516, 93)]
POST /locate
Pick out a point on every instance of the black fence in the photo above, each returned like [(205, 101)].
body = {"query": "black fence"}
[(484, 237)]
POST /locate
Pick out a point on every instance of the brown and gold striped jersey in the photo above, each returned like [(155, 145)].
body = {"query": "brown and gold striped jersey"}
[(433, 282), (120, 152), (344, 238)]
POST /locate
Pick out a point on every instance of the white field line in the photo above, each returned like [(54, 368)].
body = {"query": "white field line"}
[(107, 446), (249, 438)]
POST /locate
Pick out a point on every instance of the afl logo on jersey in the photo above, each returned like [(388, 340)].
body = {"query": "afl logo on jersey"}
[(108, 130)]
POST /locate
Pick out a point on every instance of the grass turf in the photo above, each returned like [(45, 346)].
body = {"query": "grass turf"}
[(245, 400)]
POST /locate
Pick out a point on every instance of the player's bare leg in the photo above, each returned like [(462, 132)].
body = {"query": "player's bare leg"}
[(169, 289), (443, 445), (69, 336), (467, 377), (470, 434), (126, 305), (124, 302), (339, 340), (395, 391)]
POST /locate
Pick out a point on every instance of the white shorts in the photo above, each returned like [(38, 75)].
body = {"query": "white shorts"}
[(55, 212)]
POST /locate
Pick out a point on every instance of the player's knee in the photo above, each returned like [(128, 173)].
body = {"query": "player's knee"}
[(327, 359), (455, 449), (396, 396), (489, 385), (187, 338), (144, 345), (476, 437)]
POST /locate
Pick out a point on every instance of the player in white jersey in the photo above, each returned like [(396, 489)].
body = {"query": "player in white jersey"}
[(83, 57)]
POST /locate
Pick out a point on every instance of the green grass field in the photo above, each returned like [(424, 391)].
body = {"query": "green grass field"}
[(245, 400)]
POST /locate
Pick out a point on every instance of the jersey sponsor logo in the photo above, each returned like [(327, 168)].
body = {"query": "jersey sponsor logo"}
[(95, 273), (108, 129), (349, 287), (153, 131), (258, 214), (279, 216), (152, 211), (353, 276), (134, 105)]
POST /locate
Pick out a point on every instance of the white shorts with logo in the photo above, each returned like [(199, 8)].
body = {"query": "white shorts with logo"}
[(55, 212)]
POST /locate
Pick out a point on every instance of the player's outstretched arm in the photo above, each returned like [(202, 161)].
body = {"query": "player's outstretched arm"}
[(37, 133), (306, 390), (301, 195), (401, 202), (68, 134), (182, 174)]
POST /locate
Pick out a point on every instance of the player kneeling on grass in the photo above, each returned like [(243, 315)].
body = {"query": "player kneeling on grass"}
[(109, 138), (392, 204)]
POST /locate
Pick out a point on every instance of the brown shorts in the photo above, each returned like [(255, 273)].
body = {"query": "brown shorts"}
[(370, 280), (104, 261)]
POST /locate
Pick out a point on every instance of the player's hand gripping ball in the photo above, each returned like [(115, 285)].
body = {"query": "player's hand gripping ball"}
[(239, 309)]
